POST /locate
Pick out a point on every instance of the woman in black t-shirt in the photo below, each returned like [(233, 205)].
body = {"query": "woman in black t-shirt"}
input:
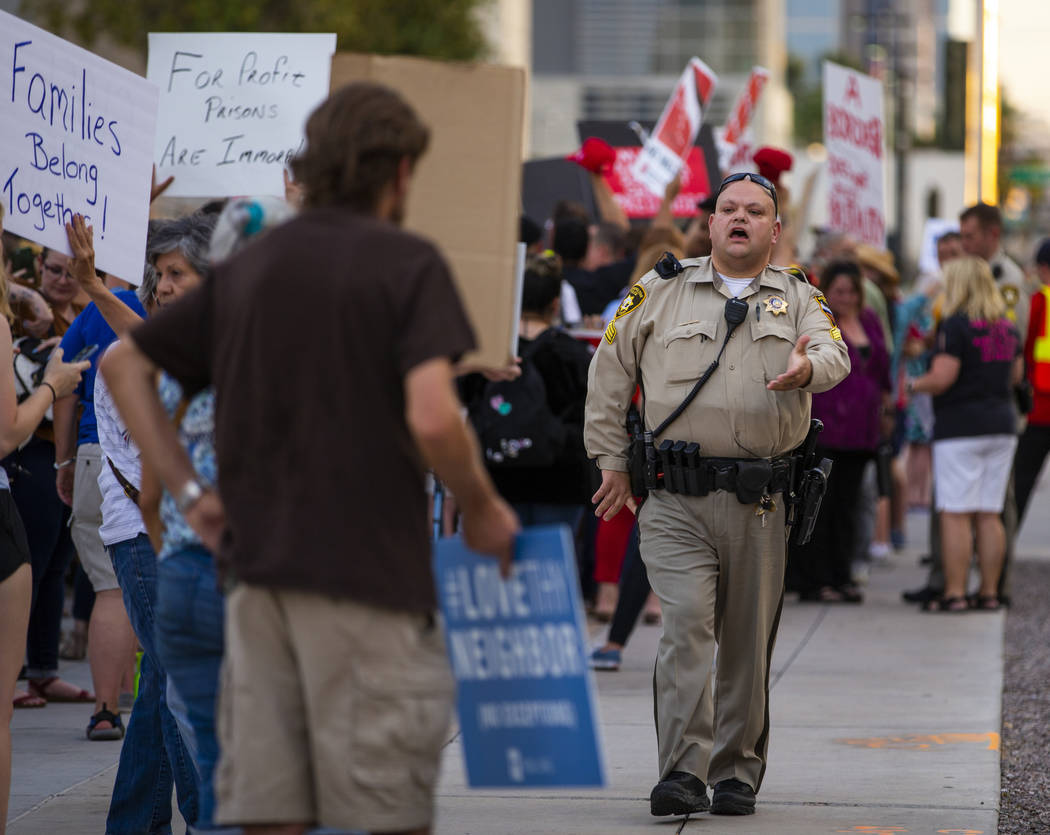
[(977, 362)]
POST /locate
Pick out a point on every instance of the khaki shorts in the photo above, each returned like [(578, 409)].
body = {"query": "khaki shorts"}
[(87, 519), (331, 713)]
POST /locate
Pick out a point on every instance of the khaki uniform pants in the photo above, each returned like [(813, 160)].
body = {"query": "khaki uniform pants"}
[(719, 575)]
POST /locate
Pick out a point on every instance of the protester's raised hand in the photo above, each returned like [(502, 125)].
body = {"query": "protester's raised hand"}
[(82, 245), (157, 189), (293, 192), (63, 377), (673, 188)]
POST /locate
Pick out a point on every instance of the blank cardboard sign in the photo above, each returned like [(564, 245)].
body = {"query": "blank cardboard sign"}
[(466, 192)]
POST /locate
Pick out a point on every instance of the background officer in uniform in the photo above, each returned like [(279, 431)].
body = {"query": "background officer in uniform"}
[(716, 564)]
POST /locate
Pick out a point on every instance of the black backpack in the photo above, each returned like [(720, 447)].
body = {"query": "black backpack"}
[(513, 419)]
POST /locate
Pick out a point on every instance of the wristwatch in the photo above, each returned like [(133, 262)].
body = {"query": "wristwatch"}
[(188, 495)]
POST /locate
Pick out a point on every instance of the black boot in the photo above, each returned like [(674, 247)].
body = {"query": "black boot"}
[(679, 794)]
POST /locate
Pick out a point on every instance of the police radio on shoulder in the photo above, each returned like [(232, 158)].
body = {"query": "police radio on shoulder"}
[(668, 266)]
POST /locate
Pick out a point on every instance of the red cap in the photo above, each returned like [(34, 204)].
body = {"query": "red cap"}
[(772, 162), (596, 155)]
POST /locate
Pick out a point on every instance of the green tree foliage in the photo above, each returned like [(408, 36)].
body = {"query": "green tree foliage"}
[(432, 28)]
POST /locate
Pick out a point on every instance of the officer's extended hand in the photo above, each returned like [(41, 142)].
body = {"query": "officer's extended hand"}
[(614, 493), (799, 371)]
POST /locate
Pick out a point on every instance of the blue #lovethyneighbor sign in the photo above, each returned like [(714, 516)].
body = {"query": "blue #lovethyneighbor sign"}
[(526, 700)]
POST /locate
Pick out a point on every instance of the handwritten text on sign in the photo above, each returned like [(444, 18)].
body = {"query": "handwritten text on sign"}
[(854, 136), (233, 107), (525, 697), (76, 136)]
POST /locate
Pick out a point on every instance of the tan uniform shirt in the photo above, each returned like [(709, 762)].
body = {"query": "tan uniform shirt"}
[(666, 334), (1016, 290)]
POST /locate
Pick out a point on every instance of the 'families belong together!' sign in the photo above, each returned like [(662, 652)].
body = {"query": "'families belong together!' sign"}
[(76, 137)]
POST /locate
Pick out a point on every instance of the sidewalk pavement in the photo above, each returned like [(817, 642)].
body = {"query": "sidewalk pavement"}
[(884, 720)]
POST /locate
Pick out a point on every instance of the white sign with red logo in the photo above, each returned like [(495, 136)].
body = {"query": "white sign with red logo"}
[(667, 148), (854, 131), (735, 145)]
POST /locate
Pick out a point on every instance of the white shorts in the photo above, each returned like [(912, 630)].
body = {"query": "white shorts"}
[(971, 474)]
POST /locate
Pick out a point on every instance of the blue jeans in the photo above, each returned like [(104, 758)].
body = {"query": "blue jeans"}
[(190, 628), (153, 757)]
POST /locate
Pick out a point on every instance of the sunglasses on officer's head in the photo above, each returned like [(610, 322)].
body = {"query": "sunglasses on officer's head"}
[(758, 180)]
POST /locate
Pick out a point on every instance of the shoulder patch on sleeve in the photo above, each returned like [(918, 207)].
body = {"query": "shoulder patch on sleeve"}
[(825, 308), (635, 296)]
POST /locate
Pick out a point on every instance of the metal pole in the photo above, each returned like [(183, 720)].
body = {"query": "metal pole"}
[(902, 138)]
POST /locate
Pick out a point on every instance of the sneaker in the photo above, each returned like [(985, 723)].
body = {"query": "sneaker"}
[(680, 794), (606, 659), (733, 797), (879, 552)]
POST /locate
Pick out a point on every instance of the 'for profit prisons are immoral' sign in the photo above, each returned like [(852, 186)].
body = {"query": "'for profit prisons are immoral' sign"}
[(525, 696), (76, 136), (233, 107)]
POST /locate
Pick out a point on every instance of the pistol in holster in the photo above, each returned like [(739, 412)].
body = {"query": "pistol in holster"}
[(642, 459), (810, 483)]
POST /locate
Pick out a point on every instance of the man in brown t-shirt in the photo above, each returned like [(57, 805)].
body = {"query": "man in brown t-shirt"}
[(325, 418)]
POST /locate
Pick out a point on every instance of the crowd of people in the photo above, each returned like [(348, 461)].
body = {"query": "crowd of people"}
[(149, 488)]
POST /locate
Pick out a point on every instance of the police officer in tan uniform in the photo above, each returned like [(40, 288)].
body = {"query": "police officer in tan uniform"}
[(716, 563)]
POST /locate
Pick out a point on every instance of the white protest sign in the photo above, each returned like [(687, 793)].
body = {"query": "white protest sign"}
[(233, 107), (76, 136), (666, 149), (854, 130), (735, 141)]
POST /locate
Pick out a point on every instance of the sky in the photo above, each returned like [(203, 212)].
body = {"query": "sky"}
[(1024, 40)]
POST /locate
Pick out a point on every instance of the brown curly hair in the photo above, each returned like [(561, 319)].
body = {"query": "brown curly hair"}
[(355, 141)]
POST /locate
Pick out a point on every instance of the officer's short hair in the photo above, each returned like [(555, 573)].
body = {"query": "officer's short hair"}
[(355, 141), (986, 215)]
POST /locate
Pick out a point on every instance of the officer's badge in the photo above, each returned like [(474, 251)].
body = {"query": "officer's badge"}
[(825, 308), (634, 297), (776, 305), (610, 333), (1010, 295)]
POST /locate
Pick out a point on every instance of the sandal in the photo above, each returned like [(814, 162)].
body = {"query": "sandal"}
[(947, 604), (116, 731), (825, 594), (28, 700), (849, 593), (38, 687), (985, 603)]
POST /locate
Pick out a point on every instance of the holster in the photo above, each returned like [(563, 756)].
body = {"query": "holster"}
[(752, 479), (809, 495)]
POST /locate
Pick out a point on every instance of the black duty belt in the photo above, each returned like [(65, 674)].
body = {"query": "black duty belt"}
[(683, 471)]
